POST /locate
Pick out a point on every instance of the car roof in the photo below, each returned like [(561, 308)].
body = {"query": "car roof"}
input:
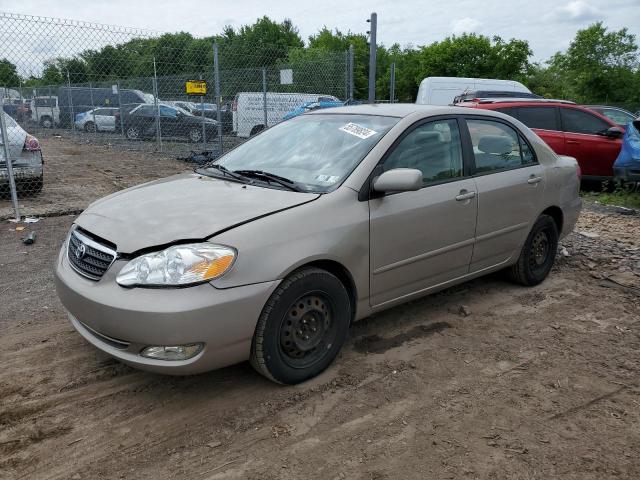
[(399, 110)]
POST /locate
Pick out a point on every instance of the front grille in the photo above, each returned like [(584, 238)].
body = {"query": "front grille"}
[(89, 257)]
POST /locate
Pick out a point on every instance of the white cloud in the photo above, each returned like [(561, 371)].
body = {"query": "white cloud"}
[(577, 11), (464, 25)]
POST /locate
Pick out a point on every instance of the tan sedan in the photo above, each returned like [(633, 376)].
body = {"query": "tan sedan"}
[(271, 252)]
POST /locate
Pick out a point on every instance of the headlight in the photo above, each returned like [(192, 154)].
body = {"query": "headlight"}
[(179, 265)]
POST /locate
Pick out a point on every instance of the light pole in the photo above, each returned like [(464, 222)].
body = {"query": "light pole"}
[(372, 56)]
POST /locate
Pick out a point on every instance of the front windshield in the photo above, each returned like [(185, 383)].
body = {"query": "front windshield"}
[(620, 117), (316, 151)]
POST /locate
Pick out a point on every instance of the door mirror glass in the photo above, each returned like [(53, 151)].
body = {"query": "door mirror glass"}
[(398, 180)]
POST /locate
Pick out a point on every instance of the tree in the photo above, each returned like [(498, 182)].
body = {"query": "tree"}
[(8, 74), (472, 55), (599, 66)]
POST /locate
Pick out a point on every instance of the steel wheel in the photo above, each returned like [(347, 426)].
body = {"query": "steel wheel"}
[(538, 253), (539, 250), (307, 331)]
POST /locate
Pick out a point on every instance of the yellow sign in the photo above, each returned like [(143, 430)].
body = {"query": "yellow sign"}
[(196, 87)]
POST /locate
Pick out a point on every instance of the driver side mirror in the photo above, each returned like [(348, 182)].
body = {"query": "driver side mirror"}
[(398, 180), (612, 132)]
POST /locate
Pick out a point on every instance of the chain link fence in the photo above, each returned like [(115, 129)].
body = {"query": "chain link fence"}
[(95, 108)]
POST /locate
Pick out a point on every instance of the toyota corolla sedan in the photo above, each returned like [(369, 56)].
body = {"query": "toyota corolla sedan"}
[(270, 252)]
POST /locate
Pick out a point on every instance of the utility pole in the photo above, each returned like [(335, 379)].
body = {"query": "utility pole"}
[(372, 56)]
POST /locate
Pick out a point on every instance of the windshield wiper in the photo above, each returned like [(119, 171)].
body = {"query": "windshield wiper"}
[(227, 172), (271, 177)]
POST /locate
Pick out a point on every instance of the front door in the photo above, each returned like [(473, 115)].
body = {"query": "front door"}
[(510, 185), (595, 153), (423, 238)]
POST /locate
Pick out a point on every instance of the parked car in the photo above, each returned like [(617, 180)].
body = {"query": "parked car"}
[(140, 123), (105, 119), (569, 129), (620, 116), (481, 94), (74, 100), (45, 111), (308, 106), (249, 109), (443, 90), (627, 166), (210, 110), (26, 156), (270, 252), (17, 108)]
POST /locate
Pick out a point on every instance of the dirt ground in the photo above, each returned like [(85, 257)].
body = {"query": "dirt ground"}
[(534, 383)]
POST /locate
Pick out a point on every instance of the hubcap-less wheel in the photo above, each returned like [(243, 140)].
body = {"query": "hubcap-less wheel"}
[(302, 326), (307, 331), (46, 123), (539, 249)]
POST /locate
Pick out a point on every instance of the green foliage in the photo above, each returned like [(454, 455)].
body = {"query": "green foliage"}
[(8, 74), (599, 66)]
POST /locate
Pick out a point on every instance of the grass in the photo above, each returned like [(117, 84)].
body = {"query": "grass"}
[(620, 197)]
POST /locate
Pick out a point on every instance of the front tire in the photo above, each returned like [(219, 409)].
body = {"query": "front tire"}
[(302, 327), (195, 135), (90, 127), (538, 253)]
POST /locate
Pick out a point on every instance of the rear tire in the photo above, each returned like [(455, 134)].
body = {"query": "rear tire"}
[(302, 327), (538, 253), (90, 127), (46, 122), (256, 130), (195, 135)]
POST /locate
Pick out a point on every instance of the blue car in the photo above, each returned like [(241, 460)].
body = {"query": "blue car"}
[(307, 107)]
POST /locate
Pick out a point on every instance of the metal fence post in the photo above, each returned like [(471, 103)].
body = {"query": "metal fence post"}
[(216, 80), (346, 75), (372, 57), (351, 72), (34, 91), (157, 105), (53, 114), (121, 111), (73, 117), (392, 84), (204, 133), (7, 158), (93, 109), (264, 95)]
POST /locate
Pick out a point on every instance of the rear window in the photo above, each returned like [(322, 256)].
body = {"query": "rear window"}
[(538, 117)]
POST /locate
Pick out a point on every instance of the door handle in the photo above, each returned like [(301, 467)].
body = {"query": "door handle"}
[(465, 195), (573, 142), (534, 180)]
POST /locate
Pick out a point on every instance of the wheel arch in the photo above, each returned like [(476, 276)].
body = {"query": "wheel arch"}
[(556, 213), (341, 273)]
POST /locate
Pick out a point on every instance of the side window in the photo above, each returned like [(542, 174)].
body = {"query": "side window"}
[(497, 146), (168, 112), (507, 111), (621, 118), (577, 121), (144, 111), (538, 117), (434, 148)]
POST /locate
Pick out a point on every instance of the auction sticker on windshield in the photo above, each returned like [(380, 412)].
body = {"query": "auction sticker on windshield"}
[(358, 130)]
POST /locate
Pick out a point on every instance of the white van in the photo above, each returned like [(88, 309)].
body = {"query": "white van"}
[(442, 90), (248, 109), (45, 111)]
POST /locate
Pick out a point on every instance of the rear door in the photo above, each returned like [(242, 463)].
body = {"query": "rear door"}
[(545, 121), (595, 152), (510, 185), (423, 238)]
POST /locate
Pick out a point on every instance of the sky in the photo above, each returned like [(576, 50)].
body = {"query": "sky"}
[(548, 25)]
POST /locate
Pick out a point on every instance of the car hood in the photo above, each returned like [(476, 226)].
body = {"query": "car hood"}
[(184, 207)]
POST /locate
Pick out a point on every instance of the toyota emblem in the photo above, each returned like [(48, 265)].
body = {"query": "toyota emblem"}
[(81, 250)]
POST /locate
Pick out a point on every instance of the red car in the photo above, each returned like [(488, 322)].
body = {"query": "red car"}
[(569, 129)]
